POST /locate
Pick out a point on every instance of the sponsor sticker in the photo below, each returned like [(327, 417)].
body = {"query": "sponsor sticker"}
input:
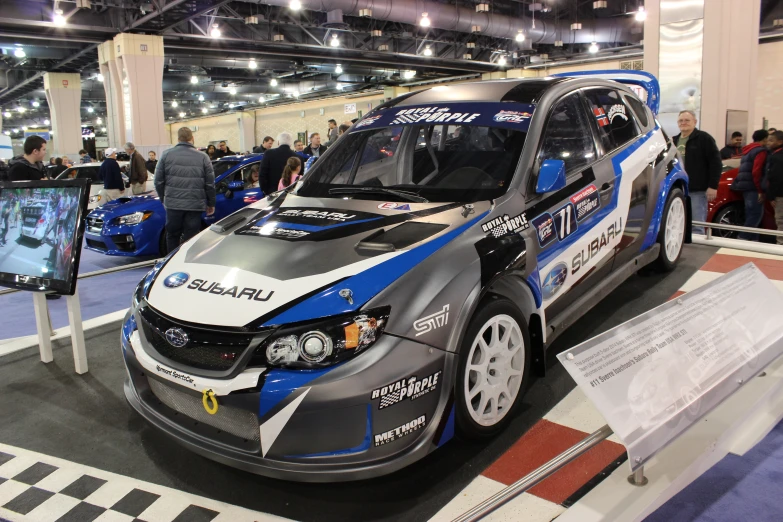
[(617, 111), (505, 225), (410, 388), (432, 322), (512, 116), (586, 202), (252, 294), (554, 280), (600, 116), (324, 215), (565, 221), (394, 206), (367, 121), (399, 432), (433, 114), (172, 373), (588, 254), (544, 226)]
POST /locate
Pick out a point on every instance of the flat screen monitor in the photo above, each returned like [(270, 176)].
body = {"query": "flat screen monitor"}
[(41, 230)]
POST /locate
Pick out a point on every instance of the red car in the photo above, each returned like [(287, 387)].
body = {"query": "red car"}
[(728, 208)]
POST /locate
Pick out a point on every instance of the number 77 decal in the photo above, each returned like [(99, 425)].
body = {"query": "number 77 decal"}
[(565, 221)]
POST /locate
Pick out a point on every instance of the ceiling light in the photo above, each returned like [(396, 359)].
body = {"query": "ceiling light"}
[(641, 14), (15, 130), (252, 64), (340, 86), (576, 26), (6, 114), (99, 77), (7, 133), (335, 41), (428, 51), (502, 60), (47, 122), (98, 121), (338, 69), (296, 95), (193, 79), (409, 74), (425, 20), (204, 110), (36, 104), (103, 129), (215, 32), (261, 99), (200, 97), (59, 20), (90, 110), (273, 82), (295, 5), (24, 128), (520, 36), (174, 104), (19, 52), (181, 114), (593, 48), (20, 109), (232, 91)]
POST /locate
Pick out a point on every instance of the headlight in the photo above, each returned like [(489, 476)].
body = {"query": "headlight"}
[(324, 343), (132, 219), (96, 198)]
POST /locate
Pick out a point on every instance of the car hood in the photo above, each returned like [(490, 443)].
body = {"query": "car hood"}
[(123, 206), (288, 260)]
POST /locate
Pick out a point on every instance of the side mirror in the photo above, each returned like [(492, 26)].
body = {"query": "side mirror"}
[(236, 186), (551, 176)]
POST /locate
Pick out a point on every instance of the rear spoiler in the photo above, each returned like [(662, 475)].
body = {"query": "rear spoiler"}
[(644, 84)]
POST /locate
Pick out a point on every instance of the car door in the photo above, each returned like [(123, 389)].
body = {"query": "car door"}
[(572, 226), (228, 202)]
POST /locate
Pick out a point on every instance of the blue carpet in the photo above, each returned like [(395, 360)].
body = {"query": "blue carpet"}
[(99, 296), (736, 489)]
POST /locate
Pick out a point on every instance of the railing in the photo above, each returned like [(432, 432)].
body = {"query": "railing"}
[(752, 246), (735, 228), (534, 477)]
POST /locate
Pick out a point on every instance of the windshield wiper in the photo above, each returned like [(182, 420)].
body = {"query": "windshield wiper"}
[(408, 196)]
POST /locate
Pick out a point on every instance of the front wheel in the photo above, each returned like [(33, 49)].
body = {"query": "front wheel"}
[(672, 234), (733, 214), (494, 363)]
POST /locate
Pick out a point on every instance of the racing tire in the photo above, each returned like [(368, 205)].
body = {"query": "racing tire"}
[(733, 214), (163, 247), (671, 236), (496, 350)]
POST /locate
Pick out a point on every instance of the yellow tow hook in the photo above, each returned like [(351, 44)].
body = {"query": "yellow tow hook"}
[(210, 402)]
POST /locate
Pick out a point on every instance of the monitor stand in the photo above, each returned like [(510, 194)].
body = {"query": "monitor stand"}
[(44, 328)]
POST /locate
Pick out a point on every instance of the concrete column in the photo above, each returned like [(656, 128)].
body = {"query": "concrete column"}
[(704, 54), (139, 60), (247, 131), (64, 94), (112, 86)]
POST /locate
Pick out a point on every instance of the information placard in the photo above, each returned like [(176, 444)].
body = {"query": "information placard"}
[(655, 375)]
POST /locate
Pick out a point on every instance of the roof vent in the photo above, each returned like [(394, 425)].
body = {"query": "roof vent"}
[(599, 4), (365, 13), (251, 20), (558, 43), (777, 22), (482, 8), (475, 29), (467, 56), (576, 26), (278, 38), (334, 19), (376, 32), (470, 45), (383, 47)]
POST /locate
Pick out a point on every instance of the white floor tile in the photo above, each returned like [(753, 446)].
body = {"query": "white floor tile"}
[(53, 508), (576, 411)]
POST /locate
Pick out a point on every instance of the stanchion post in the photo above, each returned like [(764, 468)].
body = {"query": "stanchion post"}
[(42, 325), (637, 478), (77, 332)]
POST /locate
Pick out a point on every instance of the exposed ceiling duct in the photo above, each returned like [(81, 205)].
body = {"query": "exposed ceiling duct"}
[(464, 19)]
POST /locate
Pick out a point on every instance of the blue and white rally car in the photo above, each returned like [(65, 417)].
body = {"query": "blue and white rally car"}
[(136, 226), (404, 290)]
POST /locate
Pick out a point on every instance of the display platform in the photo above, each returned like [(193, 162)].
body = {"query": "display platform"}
[(85, 420)]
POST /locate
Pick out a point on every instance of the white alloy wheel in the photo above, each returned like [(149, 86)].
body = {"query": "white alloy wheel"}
[(495, 368), (675, 229)]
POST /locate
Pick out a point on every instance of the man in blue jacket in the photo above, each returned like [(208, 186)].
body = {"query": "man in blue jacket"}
[(185, 182), (113, 184)]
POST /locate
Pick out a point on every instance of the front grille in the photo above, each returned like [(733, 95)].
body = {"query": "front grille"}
[(94, 224), (100, 245), (237, 422), (204, 350)]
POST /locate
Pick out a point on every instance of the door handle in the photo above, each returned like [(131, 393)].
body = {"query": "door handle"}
[(606, 187)]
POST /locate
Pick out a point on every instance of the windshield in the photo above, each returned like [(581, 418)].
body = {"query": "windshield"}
[(221, 167), (438, 162)]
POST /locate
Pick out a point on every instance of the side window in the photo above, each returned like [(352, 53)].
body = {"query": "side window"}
[(90, 173), (567, 135), (616, 125), (245, 173), (639, 109)]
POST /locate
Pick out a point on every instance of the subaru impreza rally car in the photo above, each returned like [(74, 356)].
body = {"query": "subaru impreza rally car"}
[(136, 226), (406, 287)]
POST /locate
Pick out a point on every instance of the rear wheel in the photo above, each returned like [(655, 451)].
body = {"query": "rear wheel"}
[(733, 214), (672, 234), (494, 363)]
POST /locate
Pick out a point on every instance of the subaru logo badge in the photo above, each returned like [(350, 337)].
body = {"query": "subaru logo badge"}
[(177, 337), (175, 280), (554, 280)]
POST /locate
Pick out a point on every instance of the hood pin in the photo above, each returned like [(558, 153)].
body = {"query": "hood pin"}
[(346, 294), (467, 210)]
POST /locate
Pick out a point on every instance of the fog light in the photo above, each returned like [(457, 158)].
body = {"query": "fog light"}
[(129, 239), (315, 346)]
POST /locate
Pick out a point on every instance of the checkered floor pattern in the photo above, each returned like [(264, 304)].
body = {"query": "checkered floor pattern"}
[(35, 487)]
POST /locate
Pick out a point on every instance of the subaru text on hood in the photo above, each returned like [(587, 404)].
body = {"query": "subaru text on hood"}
[(404, 290)]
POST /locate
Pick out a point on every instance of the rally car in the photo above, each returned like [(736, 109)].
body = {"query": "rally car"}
[(404, 290), (136, 226)]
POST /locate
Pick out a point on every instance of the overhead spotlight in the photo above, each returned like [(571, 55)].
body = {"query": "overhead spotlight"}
[(59, 20), (24, 128), (428, 51), (252, 64), (215, 32), (204, 110), (6, 114), (273, 82), (261, 99), (520, 36), (174, 104), (103, 129), (98, 121), (181, 114), (593, 48), (338, 69), (99, 77), (47, 122), (7, 133), (200, 97), (21, 110), (502, 60), (15, 130), (232, 91), (335, 41), (36, 104), (425, 20), (295, 94), (340, 86), (409, 74), (295, 5), (90, 110), (19, 52), (193, 79), (641, 14)]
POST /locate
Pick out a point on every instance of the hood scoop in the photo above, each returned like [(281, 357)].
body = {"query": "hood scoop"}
[(399, 237)]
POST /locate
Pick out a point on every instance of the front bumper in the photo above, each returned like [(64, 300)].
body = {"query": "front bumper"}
[(309, 426), (127, 240)]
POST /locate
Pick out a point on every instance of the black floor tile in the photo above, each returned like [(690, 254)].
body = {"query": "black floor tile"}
[(82, 512), (35, 473), (83, 487), (134, 503), (196, 514), (5, 457), (28, 500)]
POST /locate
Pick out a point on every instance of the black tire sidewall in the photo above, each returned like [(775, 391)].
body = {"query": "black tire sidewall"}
[(739, 209), (663, 261), (490, 307)]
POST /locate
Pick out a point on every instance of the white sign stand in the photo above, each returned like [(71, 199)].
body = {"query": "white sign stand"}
[(45, 331)]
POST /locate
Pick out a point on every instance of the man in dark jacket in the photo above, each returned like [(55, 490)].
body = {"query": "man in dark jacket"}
[(113, 184), (152, 162), (185, 182), (733, 148), (29, 167), (266, 144), (774, 176), (702, 163), (137, 170), (315, 148), (274, 162), (58, 168), (223, 150), (748, 181)]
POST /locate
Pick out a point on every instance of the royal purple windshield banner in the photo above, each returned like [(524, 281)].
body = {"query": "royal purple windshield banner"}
[(508, 115)]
